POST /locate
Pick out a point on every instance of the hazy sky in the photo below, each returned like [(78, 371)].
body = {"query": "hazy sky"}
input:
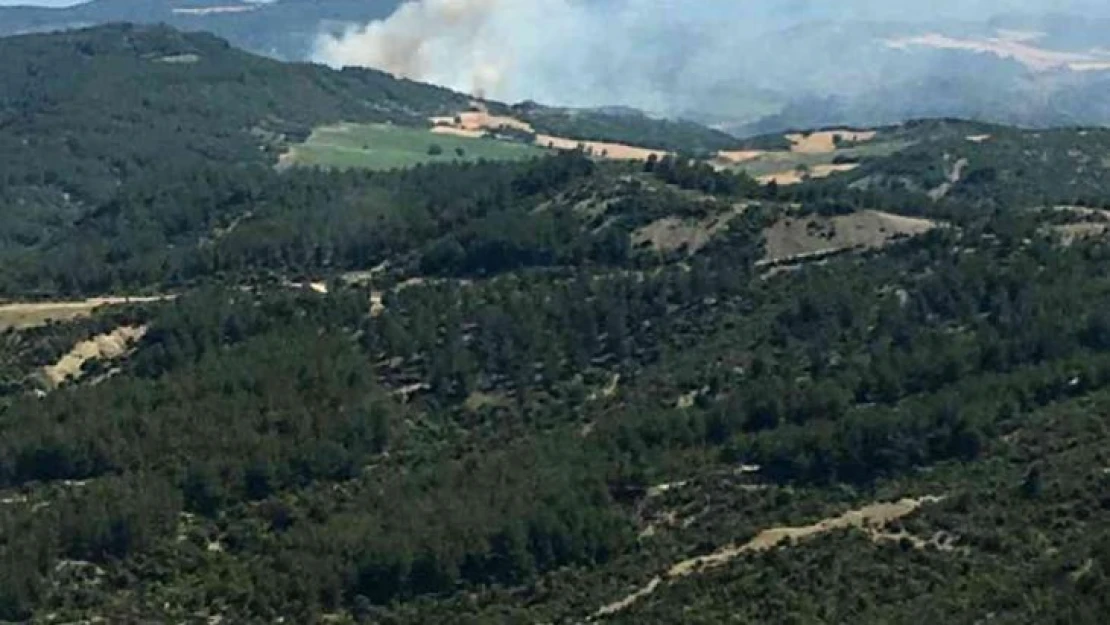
[(669, 56), (41, 3)]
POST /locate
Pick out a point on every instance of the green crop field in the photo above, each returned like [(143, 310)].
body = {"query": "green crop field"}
[(384, 146)]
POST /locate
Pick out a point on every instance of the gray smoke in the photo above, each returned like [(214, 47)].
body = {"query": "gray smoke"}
[(738, 59)]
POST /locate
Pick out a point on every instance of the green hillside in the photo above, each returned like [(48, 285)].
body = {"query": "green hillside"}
[(535, 390), (382, 146)]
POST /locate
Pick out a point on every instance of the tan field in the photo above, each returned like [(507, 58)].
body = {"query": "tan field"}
[(20, 315), (798, 176), (872, 519), (614, 151), (825, 142), (111, 345), (979, 138), (473, 124), (798, 238), (739, 156), (458, 132)]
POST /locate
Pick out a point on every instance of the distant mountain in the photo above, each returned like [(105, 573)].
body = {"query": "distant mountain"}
[(283, 29), (1021, 70), (790, 66)]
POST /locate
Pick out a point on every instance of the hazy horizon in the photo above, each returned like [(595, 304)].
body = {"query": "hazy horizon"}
[(671, 56)]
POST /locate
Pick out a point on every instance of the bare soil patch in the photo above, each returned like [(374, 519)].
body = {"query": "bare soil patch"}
[(106, 346), (21, 315)]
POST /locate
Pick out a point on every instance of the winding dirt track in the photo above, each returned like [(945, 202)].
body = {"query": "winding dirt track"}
[(872, 518), (31, 314)]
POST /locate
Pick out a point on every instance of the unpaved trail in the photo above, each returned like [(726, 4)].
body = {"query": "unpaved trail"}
[(872, 518), (22, 315), (955, 175), (111, 345)]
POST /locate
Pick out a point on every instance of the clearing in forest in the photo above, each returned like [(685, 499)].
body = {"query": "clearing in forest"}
[(107, 346), (385, 146), (672, 234), (872, 518), (793, 238)]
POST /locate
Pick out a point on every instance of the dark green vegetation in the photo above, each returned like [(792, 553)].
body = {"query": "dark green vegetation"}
[(469, 425)]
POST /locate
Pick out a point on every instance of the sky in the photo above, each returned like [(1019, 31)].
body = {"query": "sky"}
[(668, 56), (40, 3)]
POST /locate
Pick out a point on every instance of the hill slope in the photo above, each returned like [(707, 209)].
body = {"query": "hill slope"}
[(556, 390), (283, 29)]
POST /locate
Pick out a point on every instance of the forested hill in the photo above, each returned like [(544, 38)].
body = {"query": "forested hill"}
[(83, 112), (847, 375), (283, 29)]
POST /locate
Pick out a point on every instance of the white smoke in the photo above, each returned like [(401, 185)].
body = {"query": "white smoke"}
[(562, 51), (664, 56)]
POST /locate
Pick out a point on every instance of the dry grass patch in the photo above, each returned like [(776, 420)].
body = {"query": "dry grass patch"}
[(799, 175), (474, 124), (601, 149), (106, 346), (827, 141), (673, 234), (725, 157), (795, 237), (22, 315)]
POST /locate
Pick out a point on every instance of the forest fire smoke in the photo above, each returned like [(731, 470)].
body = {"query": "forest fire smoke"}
[(441, 41)]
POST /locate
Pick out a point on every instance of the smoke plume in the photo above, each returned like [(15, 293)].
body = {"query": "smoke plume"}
[(737, 60)]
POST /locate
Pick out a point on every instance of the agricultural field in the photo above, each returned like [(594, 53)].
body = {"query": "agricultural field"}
[(385, 146)]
